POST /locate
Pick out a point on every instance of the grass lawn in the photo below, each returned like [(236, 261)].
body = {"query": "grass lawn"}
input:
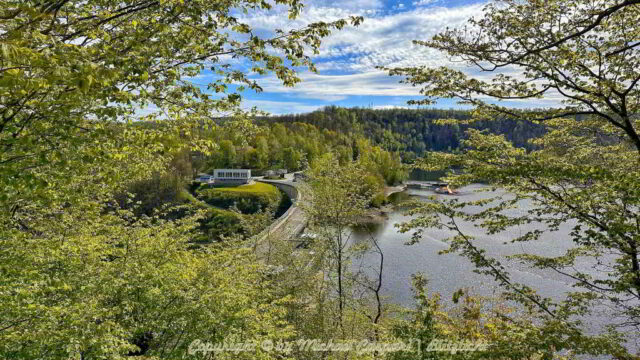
[(247, 198), (256, 187)]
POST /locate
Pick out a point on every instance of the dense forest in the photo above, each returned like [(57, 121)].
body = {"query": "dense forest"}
[(293, 146), (412, 132)]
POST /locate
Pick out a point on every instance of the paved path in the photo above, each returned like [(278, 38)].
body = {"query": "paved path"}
[(290, 224)]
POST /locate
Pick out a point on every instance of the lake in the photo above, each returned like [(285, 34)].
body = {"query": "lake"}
[(450, 272)]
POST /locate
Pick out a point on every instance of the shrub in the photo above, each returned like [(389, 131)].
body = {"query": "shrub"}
[(219, 223)]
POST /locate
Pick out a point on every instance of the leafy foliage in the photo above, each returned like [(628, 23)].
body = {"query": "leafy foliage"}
[(73, 72), (90, 273), (584, 171), (119, 288), (220, 224)]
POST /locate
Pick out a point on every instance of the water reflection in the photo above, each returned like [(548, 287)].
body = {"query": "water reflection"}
[(449, 272), (424, 175), (399, 197)]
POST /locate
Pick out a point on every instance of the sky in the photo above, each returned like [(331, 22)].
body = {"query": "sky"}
[(347, 74)]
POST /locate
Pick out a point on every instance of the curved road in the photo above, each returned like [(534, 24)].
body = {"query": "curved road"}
[(292, 222)]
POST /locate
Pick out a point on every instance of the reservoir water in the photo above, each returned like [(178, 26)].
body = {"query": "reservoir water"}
[(450, 272)]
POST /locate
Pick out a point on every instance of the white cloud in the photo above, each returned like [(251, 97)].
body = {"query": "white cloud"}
[(423, 2), (389, 107), (382, 40), (349, 5), (279, 107), (387, 40), (323, 87), (348, 59)]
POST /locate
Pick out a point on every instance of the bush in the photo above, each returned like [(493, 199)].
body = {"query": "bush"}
[(150, 195), (219, 223), (378, 200)]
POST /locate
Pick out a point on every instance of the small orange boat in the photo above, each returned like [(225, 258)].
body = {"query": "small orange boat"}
[(446, 190)]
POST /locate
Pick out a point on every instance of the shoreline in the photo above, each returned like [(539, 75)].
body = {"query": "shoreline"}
[(379, 215), (376, 215), (388, 190)]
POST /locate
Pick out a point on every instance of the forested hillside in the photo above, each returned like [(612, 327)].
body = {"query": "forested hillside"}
[(240, 143), (411, 132), (292, 146)]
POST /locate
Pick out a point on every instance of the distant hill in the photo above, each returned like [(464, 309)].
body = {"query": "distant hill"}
[(408, 131)]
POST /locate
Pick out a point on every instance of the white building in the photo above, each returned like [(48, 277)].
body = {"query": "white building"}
[(231, 176)]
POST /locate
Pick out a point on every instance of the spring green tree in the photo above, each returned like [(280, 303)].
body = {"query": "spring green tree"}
[(585, 169), (73, 71), (95, 96), (338, 198)]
